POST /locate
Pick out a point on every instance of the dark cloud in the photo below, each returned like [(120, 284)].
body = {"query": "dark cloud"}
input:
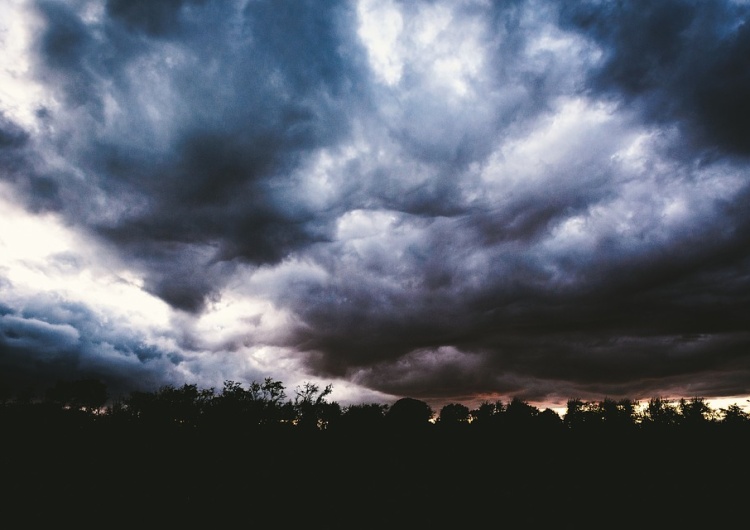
[(623, 317), (248, 98), (13, 142), (153, 18), (51, 340), (525, 198), (67, 50), (679, 60), (12, 136)]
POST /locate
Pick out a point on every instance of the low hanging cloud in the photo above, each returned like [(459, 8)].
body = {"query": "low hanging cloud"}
[(448, 200)]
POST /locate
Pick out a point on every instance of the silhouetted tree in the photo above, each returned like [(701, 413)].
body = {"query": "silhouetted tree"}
[(453, 415), (660, 413), (734, 418), (575, 414), (520, 415), (695, 413), (233, 409), (487, 416), (363, 417), (550, 421), (170, 406), (261, 404), (409, 414), (583, 415), (87, 395), (312, 409), (269, 391), (276, 408), (619, 415)]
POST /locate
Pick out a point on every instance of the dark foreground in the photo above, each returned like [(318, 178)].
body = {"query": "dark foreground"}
[(123, 477)]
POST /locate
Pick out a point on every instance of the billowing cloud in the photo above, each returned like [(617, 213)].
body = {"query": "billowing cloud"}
[(678, 61), (447, 200)]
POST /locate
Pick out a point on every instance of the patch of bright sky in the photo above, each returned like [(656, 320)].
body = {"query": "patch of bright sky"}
[(716, 404), (363, 223), (380, 25), (39, 254), (442, 48), (19, 96), (577, 126), (454, 55), (254, 363), (239, 320)]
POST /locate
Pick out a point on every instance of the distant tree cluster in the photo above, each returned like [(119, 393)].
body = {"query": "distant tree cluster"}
[(253, 451), (265, 405)]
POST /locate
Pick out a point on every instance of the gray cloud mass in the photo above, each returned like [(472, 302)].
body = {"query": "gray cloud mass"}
[(546, 200)]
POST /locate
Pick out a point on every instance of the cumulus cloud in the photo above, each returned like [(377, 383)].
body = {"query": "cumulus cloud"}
[(449, 200)]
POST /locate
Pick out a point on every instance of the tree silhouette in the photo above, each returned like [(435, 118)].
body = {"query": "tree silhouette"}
[(409, 414), (83, 394), (170, 406), (550, 421), (488, 416), (312, 409), (608, 415), (620, 415), (520, 415), (733, 417), (694, 413), (264, 404), (454, 415), (363, 417), (660, 414)]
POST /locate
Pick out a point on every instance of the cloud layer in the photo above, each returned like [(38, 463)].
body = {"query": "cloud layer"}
[(445, 200)]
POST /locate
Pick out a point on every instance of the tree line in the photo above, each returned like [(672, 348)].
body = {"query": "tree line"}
[(266, 405), (259, 453)]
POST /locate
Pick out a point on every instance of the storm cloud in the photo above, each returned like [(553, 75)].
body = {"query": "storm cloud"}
[(445, 200), (677, 61)]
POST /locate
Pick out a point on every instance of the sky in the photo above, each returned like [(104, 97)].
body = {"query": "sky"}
[(454, 201)]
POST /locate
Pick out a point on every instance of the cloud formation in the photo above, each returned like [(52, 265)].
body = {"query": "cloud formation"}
[(679, 62), (443, 200)]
